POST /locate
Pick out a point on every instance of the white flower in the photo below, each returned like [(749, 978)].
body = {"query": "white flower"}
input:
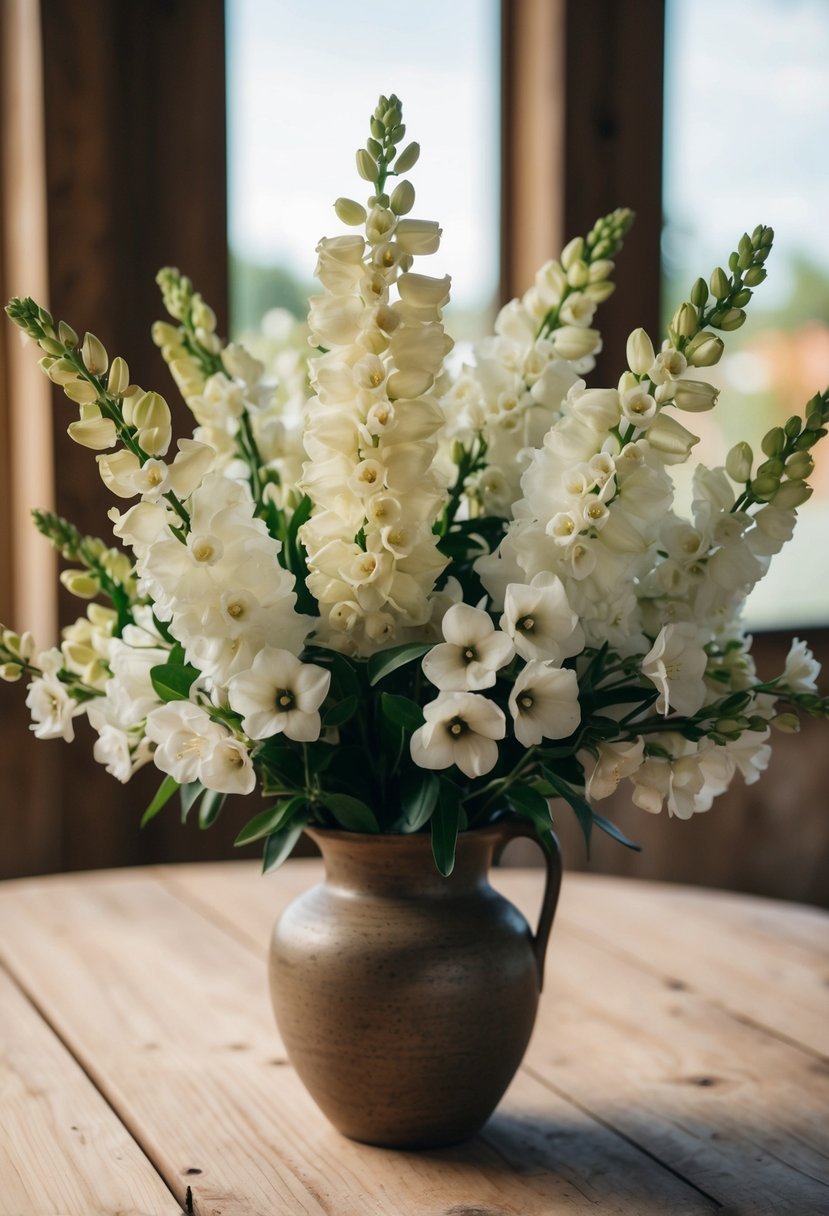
[(540, 621), (185, 737), (472, 653), (460, 728), (614, 761), (51, 706), (676, 664), (280, 695), (228, 768), (802, 668), (544, 703), (690, 781)]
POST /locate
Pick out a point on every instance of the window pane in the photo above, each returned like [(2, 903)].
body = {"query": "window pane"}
[(303, 80), (746, 132)]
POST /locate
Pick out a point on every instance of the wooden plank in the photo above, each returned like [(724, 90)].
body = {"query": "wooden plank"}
[(726, 1104), (62, 1150), (169, 1015), (762, 960)]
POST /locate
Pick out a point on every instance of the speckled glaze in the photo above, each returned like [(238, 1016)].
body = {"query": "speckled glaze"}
[(406, 1000)]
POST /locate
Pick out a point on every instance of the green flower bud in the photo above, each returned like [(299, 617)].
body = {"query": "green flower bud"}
[(699, 293), (729, 320), (408, 158), (791, 495), (458, 451), (787, 724), (732, 728), (704, 350), (578, 275), (770, 468), (377, 128), (741, 297), (397, 133), (80, 583), (757, 723), (80, 391), (720, 284), (165, 334), (793, 426), (774, 441), (10, 672), (402, 198), (765, 488), (67, 335), (738, 463), (808, 439), (799, 466), (51, 346), (745, 250), (695, 396), (685, 323), (93, 353), (754, 276), (366, 166), (600, 291), (350, 212), (202, 315)]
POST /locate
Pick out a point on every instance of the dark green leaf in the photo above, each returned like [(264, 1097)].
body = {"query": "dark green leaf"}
[(173, 682), (616, 833), (418, 796), (350, 813), (344, 674), (582, 808), (189, 794), (209, 808), (401, 711), (339, 714), (269, 821), (445, 822), (165, 792), (383, 664), (283, 766), (279, 845)]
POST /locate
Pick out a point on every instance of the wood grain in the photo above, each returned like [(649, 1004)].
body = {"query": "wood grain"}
[(168, 1014), (62, 1150)]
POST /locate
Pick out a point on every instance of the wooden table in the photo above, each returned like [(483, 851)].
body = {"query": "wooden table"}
[(679, 1064)]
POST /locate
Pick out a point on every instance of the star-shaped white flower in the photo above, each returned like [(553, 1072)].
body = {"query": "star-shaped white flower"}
[(544, 703), (539, 619), (280, 695), (676, 665), (460, 728), (472, 653)]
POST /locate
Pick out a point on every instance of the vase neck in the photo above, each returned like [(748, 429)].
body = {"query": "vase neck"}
[(403, 866)]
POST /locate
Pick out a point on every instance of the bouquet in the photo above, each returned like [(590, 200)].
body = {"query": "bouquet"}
[(394, 597)]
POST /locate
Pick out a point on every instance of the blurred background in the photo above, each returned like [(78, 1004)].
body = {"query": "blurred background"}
[(215, 136)]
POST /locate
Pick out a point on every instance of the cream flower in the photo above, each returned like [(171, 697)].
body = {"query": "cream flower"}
[(280, 695), (185, 737), (461, 728), (614, 762), (544, 703), (51, 706), (676, 664), (540, 621), (802, 668), (472, 653)]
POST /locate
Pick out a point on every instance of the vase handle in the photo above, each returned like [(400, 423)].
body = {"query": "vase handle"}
[(513, 829)]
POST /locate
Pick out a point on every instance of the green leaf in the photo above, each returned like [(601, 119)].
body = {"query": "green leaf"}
[(445, 823), (401, 711), (582, 808), (209, 808), (279, 845), (172, 681), (383, 664), (269, 821), (616, 833), (418, 797), (165, 792), (343, 671), (189, 794), (338, 715), (350, 813)]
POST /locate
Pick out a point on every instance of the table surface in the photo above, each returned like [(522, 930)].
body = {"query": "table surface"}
[(679, 1063)]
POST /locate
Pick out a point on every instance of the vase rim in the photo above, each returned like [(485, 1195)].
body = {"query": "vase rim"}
[(341, 834)]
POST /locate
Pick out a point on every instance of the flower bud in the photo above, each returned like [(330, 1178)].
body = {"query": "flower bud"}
[(754, 276), (10, 672), (572, 252), (62, 371), (729, 320), (792, 494), (366, 165), (799, 466), (704, 350), (774, 441), (119, 377), (765, 487), (418, 237), (402, 198), (741, 298), (600, 270), (80, 583), (787, 724), (93, 353), (408, 158), (423, 291), (67, 334), (695, 396), (578, 275), (51, 346), (575, 341), (720, 285), (640, 353), (671, 439), (699, 294), (203, 315), (684, 323), (739, 461), (151, 415), (772, 467), (600, 291), (81, 392), (165, 334), (96, 433), (350, 212)]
